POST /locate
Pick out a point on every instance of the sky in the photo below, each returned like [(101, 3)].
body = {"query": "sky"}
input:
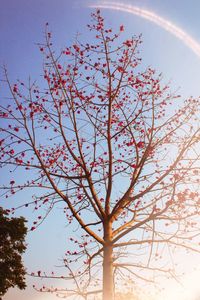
[(22, 26)]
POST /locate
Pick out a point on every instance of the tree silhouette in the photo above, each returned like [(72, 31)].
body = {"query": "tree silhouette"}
[(117, 148), (12, 246)]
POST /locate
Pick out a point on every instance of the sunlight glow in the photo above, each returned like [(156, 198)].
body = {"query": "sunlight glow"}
[(188, 289), (151, 16)]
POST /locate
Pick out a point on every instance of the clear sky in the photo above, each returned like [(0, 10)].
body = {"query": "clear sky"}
[(22, 27)]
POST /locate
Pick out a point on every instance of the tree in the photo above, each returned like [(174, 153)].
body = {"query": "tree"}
[(118, 148), (12, 246)]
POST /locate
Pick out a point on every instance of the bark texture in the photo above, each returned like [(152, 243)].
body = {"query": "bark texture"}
[(108, 286)]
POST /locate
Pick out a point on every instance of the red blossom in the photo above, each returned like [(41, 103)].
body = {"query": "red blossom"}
[(15, 89), (137, 81), (181, 197), (12, 152), (134, 166), (140, 145), (19, 161), (45, 200), (121, 28), (3, 115), (120, 69), (128, 43), (177, 176)]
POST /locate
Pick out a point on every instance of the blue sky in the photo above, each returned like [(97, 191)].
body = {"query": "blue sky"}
[(22, 25)]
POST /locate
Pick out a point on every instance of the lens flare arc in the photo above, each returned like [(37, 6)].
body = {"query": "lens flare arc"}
[(151, 16)]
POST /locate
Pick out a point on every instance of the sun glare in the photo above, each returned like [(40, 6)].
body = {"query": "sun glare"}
[(187, 289)]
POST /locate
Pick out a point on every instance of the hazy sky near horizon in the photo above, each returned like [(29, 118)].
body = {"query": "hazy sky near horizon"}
[(22, 24)]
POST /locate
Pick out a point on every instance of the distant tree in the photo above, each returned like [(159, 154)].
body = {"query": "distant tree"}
[(12, 246), (118, 149)]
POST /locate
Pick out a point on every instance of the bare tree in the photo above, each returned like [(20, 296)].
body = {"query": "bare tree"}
[(117, 148)]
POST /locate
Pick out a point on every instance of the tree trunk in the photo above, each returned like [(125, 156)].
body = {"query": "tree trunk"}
[(108, 286)]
